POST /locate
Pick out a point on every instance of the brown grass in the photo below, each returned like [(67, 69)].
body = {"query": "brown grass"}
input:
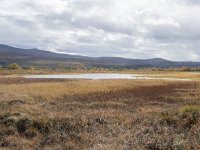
[(98, 114)]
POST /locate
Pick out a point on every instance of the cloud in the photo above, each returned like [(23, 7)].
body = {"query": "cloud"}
[(135, 29), (192, 2)]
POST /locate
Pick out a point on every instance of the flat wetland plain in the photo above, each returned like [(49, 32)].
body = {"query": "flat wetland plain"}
[(99, 114)]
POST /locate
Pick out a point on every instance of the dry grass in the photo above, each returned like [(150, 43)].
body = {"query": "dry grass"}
[(56, 88), (99, 114)]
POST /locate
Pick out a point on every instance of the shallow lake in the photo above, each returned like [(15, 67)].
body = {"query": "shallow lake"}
[(97, 76)]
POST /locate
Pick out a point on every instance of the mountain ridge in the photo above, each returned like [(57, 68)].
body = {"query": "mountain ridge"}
[(37, 57)]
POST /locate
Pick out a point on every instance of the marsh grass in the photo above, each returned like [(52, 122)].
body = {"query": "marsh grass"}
[(99, 114), (191, 107)]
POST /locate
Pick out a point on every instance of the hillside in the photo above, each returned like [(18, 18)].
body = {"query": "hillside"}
[(38, 57)]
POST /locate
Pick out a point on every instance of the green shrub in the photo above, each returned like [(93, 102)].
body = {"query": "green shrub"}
[(192, 107), (189, 115), (184, 118), (13, 66)]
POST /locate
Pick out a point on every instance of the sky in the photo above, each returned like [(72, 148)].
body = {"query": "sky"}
[(168, 29)]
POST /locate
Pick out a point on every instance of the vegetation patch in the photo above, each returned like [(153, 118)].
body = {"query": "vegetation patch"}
[(99, 114)]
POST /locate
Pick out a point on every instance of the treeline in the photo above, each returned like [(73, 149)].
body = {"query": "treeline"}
[(178, 69), (15, 66), (156, 69)]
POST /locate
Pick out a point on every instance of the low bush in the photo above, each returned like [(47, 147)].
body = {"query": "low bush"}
[(191, 107), (13, 66)]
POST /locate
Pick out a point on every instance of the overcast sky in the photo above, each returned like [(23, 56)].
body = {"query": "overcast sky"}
[(168, 29)]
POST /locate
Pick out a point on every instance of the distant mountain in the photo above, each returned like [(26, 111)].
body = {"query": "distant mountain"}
[(38, 57)]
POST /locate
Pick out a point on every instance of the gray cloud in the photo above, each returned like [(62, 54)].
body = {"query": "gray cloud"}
[(135, 29), (192, 2)]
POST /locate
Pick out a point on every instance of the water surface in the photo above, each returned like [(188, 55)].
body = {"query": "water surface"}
[(97, 76)]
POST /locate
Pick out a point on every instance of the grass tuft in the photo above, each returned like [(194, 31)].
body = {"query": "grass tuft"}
[(191, 107)]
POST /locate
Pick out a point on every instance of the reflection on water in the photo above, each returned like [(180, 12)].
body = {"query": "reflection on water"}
[(102, 76)]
